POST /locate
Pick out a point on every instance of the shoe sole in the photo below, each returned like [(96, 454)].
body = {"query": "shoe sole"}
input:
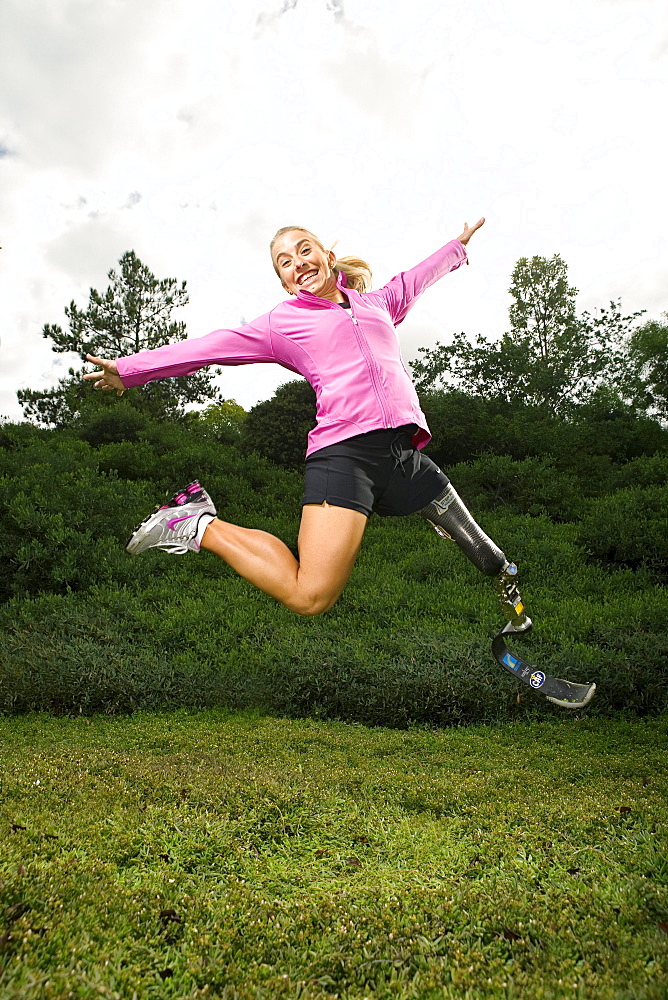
[(140, 525)]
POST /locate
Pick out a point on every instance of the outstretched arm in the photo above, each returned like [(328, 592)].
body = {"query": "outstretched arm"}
[(108, 378), (244, 345), (399, 294)]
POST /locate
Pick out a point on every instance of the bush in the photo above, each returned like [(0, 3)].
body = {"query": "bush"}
[(122, 422), (89, 654), (74, 506), (630, 528), (590, 445), (278, 428), (531, 486), (647, 470), (607, 426), (66, 534), (408, 643), (16, 437), (60, 453)]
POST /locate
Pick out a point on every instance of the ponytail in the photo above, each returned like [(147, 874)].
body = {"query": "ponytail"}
[(357, 271)]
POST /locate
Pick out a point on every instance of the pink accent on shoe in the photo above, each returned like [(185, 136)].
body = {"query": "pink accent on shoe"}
[(175, 520)]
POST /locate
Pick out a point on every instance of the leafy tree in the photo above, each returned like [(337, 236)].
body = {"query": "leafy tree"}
[(133, 314), (551, 357), (278, 427), (544, 306), (649, 352), (223, 416)]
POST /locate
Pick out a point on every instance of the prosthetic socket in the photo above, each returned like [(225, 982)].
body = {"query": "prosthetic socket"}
[(451, 519)]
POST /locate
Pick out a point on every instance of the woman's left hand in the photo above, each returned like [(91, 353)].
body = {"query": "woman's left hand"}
[(470, 230)]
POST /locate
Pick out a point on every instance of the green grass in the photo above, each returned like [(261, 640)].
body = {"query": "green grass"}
[(243, 856)]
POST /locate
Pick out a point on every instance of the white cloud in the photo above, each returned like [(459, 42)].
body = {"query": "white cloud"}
[(190, 131), (267, 19)]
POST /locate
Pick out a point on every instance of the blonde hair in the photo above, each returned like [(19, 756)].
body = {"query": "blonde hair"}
[(356, 270)]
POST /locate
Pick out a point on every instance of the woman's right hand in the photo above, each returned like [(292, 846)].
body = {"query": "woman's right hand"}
[(108, 378)]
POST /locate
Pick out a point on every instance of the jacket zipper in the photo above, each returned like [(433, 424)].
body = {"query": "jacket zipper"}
[(371, 365)]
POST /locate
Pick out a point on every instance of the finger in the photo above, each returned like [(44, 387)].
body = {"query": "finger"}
[(105, 363)]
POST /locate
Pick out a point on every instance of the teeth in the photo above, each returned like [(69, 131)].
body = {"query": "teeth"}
[(305, 277)]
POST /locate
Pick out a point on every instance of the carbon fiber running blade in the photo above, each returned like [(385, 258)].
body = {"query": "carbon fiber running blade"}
[(559, 692)]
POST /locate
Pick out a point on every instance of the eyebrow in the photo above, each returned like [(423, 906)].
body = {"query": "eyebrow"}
[(284, 253)]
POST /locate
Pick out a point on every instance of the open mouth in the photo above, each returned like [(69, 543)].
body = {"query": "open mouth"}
[(303, 278)]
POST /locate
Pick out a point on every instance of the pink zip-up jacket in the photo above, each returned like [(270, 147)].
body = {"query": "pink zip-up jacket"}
[(351, 357)]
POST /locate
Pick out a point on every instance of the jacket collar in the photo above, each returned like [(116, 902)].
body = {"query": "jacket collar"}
[(308, 298)]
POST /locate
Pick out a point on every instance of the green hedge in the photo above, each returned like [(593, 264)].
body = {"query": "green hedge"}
[(73, 506), (408, 643), (629, 527), (529, 486), (88, 628)]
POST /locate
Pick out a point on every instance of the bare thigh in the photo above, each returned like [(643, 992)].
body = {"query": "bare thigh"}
[(329, 543)]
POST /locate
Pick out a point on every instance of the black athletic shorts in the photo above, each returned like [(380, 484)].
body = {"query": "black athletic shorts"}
[(380, 471)]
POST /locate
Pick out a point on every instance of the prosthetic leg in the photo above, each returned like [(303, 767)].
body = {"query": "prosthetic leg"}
[(451, 519)]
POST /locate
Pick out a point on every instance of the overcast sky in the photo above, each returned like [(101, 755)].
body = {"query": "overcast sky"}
[(190, 130)]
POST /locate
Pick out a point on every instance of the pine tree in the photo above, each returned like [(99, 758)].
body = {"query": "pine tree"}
[(133, 314)]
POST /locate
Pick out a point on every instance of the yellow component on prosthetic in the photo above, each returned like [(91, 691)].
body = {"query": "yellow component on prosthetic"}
[(519, 607)]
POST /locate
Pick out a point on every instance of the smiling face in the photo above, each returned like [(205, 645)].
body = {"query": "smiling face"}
[(302, 263)]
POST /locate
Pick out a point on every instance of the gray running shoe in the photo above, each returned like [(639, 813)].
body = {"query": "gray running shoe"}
[(173, 526)]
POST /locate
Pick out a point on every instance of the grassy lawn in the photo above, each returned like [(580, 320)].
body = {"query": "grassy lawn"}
[(243, 856)]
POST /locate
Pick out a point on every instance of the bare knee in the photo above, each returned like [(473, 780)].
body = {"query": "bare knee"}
[(310, 605)]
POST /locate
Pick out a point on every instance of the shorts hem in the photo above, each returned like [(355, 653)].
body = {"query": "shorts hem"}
[(419, 505), (338, 502)]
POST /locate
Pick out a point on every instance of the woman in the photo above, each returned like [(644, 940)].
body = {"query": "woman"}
[(364, 453)]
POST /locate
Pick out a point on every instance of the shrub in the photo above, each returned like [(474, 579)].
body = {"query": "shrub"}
[(278, 428), (60, 453), (406, 644), (465, 426), (17, 436), (88, 654), (647, 470), (630, 527), (66, 533), (531, 486), (122, 422)]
